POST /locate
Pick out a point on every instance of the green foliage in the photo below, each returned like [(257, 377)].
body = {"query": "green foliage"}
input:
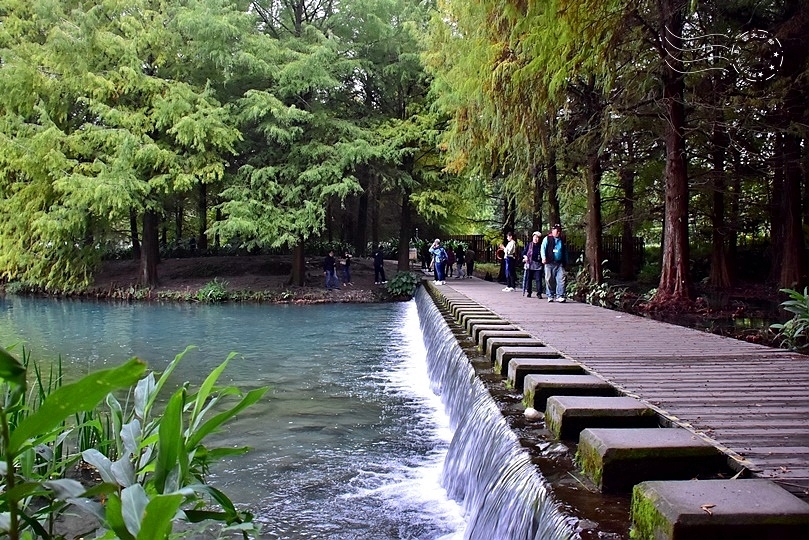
[(152, 463), (599, 294), (213, 292), (794, 334), (403, 284)]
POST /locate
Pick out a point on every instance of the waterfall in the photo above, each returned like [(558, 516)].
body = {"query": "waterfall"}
[(503, 494)]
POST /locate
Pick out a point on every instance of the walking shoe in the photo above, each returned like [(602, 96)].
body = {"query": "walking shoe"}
[(561, 299), (529, 295), (505, 289), (550, 299)]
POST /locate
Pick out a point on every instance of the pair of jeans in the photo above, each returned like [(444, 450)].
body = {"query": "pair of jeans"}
[(511, 273), (439, 270), (555, 275), (534, 275), (331, 280)]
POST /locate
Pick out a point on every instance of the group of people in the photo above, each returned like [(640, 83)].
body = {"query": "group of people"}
[(331, 263), (542, 257), (444, 261)]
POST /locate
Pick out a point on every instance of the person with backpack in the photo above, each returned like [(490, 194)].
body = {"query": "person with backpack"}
[(439, 261), (554, 257), (459, 260)]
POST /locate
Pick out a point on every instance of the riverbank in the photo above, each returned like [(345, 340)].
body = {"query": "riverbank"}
[(259, 278)]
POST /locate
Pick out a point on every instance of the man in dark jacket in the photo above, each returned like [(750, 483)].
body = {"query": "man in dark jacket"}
[(330, 271)]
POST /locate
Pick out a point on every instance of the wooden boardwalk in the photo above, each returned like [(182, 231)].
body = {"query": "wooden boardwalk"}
[(749, 400)]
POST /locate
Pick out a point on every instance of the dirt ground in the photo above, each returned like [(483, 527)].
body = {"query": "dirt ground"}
[(266, 277)]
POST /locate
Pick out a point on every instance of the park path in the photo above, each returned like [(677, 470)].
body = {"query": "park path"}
[(750, 400)]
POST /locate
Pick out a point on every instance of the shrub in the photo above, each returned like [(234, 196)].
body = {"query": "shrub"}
[(794, 334), (213, 292), (152, 464), (403, 284)]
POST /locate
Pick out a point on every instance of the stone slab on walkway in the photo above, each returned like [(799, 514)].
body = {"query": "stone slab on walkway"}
[(567, 416), (476, 329), (517, 368), (493, 344), (467, 320), (538, 388), (617, 459), (485, 335), (749, 509)]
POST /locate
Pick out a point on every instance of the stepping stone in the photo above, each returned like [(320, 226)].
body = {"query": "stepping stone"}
[(567, 416), (470, 324), (476, 329), (485, 335), (496, 342), (517, 368), (717, 509), (538, 388), (482, 318), (458, 310), (617, 459)]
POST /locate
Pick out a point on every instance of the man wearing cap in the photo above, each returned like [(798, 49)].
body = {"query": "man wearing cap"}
[(554, 257), (532, 260)]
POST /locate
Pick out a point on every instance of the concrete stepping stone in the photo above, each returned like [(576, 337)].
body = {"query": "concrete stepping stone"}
[(457, 310), (485, 335), (538, 388), (750, 509), (466, 318), (567, 416), (476, 329), (617, 459), (515, 369), (495, 343)]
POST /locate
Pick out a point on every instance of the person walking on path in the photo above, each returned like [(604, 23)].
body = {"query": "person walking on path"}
[(509, 258), (439, 261), (449, 267), (554, 257), (469, 257), (330, 271), (459, 260), (532, 261), (379, 266)]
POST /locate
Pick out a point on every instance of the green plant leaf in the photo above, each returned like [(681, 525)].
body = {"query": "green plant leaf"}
[(212, 424), (170, 440), (72, 398), (133, 505), (10, 369), (115, 518), (207, 386), (158, 516)]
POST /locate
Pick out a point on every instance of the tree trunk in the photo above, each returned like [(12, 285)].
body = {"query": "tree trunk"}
[(178, 224), (720, 274), (374, 194), (404, 233), (675, 279), (792, 246), (554, 214), (133, 233), (216, 240), (298, 276), (150, 255), (539, 192), (361, 236), (202, 210), (593, 251), (628, 264)]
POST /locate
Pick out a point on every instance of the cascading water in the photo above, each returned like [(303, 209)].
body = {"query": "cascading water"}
[(486, 470)]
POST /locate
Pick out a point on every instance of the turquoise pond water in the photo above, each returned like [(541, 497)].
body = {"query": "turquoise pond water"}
[(347, 444)]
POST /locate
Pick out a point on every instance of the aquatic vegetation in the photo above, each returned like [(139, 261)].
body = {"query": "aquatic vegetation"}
[(149, 465), (794, 334)]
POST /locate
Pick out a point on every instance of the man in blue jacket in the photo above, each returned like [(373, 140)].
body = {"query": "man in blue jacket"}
[(554, 257)]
